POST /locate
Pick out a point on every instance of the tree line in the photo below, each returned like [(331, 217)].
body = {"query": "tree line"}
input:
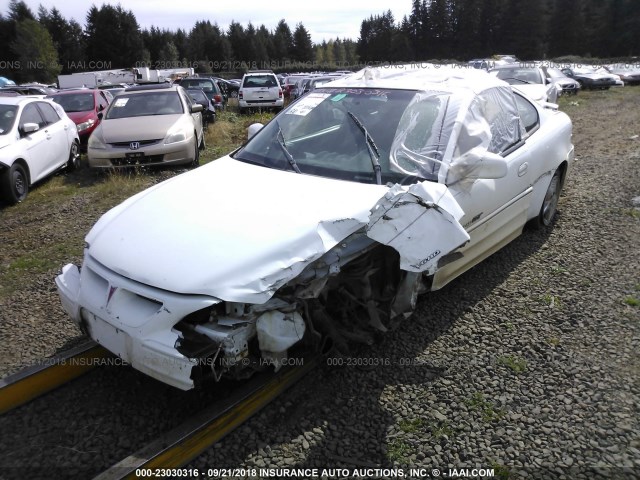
[(44, 44), (529, 29)]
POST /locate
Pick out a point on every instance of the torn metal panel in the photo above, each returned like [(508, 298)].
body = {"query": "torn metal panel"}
[(420, 222)]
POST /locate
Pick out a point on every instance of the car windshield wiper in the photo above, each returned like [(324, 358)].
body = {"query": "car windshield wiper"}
[(374, 154), (283, 145)]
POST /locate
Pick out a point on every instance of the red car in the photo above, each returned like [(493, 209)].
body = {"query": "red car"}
[(82, 106)]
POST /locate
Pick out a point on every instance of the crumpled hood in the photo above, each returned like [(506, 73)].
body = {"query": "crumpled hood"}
[(229, 229), (147, 128)]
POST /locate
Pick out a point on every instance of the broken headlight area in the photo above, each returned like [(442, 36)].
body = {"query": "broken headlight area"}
[(353, 293)]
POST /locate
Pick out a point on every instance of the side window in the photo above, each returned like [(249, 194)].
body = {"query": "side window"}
[(499, 112), (49, 113), (103, 101), (186, 99), (528, 114), (30, 114)]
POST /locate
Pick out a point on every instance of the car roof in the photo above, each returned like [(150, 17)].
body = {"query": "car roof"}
[(21, 99), (152, 87), (75, 90), (422, 76)]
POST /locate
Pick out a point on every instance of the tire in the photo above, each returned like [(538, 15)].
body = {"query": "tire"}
[(196, 159), (14, 184), (74, 157), (550, 202), (203, 143)]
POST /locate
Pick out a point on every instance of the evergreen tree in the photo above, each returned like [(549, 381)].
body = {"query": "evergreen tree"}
[(302, 49), (113, 36), (34, 49)]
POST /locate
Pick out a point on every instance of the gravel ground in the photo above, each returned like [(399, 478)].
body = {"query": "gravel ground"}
[(527, 364)]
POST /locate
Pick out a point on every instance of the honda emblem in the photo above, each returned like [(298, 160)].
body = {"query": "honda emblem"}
[(134, 145)]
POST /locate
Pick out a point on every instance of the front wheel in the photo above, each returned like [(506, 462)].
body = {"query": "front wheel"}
[(196, 158), (14, 184), (550, 202)]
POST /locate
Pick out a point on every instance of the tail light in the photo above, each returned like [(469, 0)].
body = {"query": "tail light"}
[(217, 98), (240, 94), (279, 93)]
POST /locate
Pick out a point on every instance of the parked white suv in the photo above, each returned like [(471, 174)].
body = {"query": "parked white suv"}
[(260, 89)]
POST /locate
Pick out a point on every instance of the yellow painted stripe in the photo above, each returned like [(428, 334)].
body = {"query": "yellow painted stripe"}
[(187, 449), (24, 386)]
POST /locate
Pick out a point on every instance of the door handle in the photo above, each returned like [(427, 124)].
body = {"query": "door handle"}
[(522, 169)]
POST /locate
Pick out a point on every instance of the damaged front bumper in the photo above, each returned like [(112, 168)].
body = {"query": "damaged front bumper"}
[(346, 291)]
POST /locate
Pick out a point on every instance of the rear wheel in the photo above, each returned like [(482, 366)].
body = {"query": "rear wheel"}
[(74, 157), (550, 203), (14, 183)]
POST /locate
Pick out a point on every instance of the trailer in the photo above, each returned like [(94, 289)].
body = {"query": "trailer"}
[(106, 77)]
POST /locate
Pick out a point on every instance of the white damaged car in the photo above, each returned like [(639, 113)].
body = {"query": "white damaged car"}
[(326, 224)]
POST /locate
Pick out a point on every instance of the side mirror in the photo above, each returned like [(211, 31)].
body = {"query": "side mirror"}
[(28, 128), (100, 108), (253, 129), (475, 165), (196, 108), (100, 115)]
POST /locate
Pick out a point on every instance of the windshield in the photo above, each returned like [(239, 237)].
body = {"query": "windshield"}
[(344, 132), (7, 118), (143, 104), (205, 84), (518, 76), (75, 102), (555, 73)]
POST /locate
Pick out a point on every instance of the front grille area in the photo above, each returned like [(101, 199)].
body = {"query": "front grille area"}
[(126, 161), (143, 143)]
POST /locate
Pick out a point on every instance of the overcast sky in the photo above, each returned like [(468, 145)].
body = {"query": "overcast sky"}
[(325, 19)]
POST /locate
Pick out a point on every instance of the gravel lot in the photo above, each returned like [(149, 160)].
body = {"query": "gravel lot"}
[(527, 364)]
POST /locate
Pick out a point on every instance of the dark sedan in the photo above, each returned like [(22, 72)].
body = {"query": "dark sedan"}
[(629, 74), (209, 110), (588, 78)]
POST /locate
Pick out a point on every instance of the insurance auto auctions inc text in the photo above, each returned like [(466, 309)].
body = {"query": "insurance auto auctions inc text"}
[(355, 472)]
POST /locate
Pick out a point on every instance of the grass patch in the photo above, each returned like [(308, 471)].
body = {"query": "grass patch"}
[(411, 426), (229, 132), (441, 429), (509, 326), (398, 451), (631, 301), (516, 364), (487, 409), (500, 471), (553, 341), (550, 301)]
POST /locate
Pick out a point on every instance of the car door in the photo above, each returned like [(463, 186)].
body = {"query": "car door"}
[(196, 116), (40, 155), (58, 139), (495, 210)]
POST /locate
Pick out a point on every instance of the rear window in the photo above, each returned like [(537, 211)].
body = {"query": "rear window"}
[(256, 81), (75, 102), (205, 84), (143, 104)]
